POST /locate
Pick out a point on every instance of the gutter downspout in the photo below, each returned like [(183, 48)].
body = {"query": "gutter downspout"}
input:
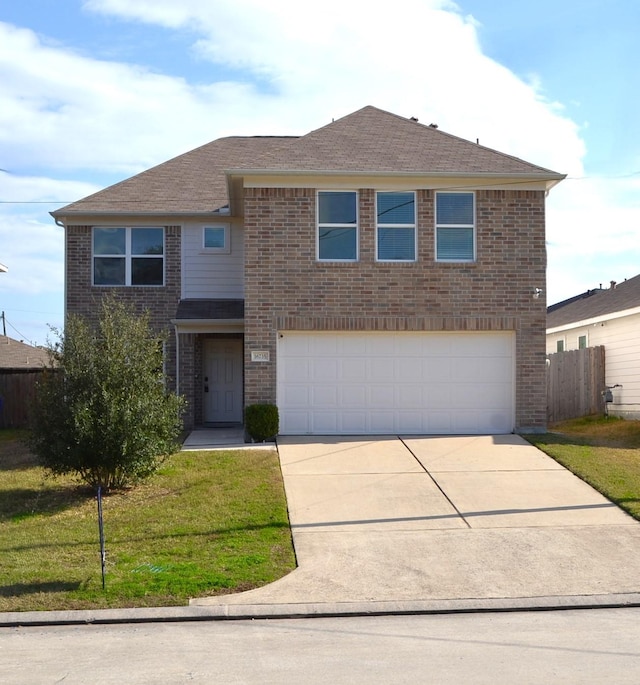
[(62, 225), (177, 360)]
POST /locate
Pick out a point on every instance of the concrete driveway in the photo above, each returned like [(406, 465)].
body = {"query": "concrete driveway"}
[(409, 521)]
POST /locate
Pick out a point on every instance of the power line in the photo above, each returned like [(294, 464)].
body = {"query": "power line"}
[(22, 337)]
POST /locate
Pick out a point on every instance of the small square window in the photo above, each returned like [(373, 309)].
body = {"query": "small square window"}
[(215, 238), (559, 345), (582, 342)]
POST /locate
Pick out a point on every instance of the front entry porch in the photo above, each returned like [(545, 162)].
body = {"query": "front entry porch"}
[(209, 361)]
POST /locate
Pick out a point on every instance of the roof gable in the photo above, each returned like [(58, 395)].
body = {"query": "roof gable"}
[(367, 141), (372, 140)]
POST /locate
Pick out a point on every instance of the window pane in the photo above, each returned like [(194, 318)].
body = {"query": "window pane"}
[(455, 243), (337, 243), (337, 208), (455, 208), (396, 243), (214, 236), (109, 240), (146, 271), (147, 241), (108, 270), (396, 208)]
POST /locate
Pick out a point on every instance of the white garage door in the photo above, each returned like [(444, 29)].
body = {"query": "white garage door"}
[(348, 383)]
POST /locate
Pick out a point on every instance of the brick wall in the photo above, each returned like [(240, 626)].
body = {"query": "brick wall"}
[(286, 288), (161, 302)]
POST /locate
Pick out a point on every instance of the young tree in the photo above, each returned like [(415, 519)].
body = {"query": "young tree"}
[(102, 411)]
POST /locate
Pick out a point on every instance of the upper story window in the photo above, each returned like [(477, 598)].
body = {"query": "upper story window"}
[(337, 226), (396, 226), (455, 227), (128, 256), (215, 238)]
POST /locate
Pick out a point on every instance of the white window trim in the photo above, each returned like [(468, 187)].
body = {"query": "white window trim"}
[(227, 239), (445, 226), (127, 256), (356, 227), (413, 225)]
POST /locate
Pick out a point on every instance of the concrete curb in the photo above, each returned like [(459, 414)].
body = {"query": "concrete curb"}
[(237, 612)]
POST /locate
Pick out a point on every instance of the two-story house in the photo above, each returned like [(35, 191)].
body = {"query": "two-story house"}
[(376, 275)]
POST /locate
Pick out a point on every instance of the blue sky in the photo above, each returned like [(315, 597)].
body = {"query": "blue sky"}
[(94, 91)]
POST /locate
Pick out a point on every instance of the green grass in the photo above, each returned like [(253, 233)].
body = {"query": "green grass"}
[(604, 452), (208, 523)]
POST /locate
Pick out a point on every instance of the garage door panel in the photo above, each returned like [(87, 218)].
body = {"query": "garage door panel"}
[(325, 396), (297, 396), (296, 370), (381, 396), (297, 422), (325, 369), (355, 369), (410, 396), (404, 382), (436, 370), (325, 422), (381, 369), (383, 421), (353, 423)]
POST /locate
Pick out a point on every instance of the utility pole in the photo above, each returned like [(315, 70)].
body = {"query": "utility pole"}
[(3, 270)]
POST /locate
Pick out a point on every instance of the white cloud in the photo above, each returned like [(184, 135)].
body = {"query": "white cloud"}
[(423, 59), (292, 71)]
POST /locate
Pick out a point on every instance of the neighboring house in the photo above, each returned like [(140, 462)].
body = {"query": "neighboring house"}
[(20, 367), (608, 317), (373, 276)]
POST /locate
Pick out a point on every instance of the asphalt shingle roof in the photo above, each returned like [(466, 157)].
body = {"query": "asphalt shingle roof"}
[(18, 355), (594, 303), (210, 309), (367, 141)]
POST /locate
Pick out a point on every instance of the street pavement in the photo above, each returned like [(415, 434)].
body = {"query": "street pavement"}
[(533, 648)]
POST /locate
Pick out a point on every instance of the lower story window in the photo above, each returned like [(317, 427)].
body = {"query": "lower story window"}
[(128, 256)]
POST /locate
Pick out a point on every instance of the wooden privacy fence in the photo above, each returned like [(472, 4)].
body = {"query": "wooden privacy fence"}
[(17, 391), (575, 381)]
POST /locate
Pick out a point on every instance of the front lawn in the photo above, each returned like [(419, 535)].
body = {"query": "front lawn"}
[(208, 523), (604, 452)]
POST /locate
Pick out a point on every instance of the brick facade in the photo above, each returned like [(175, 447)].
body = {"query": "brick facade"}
[(83, 298), (287, 288)]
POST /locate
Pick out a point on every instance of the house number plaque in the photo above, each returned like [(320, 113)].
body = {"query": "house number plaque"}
[(260, 356)]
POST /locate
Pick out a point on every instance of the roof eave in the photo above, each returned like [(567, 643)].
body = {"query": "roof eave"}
[(60, 214), (594, 320), (549, 178)]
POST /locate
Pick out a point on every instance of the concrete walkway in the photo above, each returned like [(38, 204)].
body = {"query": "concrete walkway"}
[(420, 522)]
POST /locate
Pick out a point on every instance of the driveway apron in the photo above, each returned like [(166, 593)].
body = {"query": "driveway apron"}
[(401, 519)]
